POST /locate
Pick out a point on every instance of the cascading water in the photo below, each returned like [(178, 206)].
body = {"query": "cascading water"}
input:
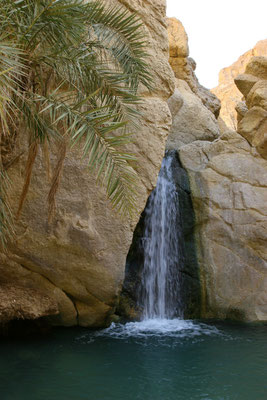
[(160, 287), (161, 279)]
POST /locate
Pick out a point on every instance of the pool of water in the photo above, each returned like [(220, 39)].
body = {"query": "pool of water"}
[(151, 360)]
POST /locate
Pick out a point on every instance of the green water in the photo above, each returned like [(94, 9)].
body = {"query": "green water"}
[(185, 361)]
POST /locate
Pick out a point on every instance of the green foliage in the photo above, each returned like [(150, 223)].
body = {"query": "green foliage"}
[(70, 70)]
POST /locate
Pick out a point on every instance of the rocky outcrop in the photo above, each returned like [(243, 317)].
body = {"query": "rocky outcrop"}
[(193, 120), (229, 190), (252, 116), (190, 118), (227, 91), (78, 261), (184, 66), (228, 182)]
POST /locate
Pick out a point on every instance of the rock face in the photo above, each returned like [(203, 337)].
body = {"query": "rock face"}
[(193, 120), (252, 123), (227, 91), (183, 66), (78, 261), (228, 179)]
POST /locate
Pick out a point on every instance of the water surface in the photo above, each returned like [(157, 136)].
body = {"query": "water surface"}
[(151, 360)]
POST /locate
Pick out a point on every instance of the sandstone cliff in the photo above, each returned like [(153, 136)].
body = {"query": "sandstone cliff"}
[(229, 191), (77, 264), (227, 91)]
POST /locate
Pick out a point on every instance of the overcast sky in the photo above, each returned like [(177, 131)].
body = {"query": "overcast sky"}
[(219, 31)]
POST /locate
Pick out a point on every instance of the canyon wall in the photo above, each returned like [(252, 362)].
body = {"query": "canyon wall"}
[(228, 179), (72, 269)]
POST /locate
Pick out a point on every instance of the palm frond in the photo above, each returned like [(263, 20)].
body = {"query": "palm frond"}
[(121, 35), (93, 130), (12, 71), (69, 71)]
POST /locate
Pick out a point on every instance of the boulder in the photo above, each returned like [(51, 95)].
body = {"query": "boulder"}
[(241, 109), (253, 123), (257, 96), (191, 119), (178, 40), (253, 120), (257, 66), (228, 92), (245, 82), (184, 66)]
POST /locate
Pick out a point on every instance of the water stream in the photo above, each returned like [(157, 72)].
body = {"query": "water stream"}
[(160, 287)]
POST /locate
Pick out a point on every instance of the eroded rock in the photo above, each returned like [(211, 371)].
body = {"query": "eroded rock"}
[(78, 261), (228, 180), (229, 186), (184, 66), (227, 90), (253, 124), (191, 119)]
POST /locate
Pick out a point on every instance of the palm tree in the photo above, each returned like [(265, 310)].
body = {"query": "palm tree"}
[(69, 73)]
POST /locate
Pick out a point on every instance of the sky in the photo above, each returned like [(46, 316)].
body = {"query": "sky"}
[(219, 31)]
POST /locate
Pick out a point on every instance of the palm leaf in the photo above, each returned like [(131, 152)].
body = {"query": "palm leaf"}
[(103, 150), (119, 34), (73, 76)]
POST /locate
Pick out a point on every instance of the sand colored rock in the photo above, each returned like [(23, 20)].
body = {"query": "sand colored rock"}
[(253, 124), (178, 40), (228, 92), (78, 260), (16, 303), (23, 280), (257, 96), (190, 118), (257, 66), (230, 189), (184, 66), (244, 82), (228, 179), (241, 109)]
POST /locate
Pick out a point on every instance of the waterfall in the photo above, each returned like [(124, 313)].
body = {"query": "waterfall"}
[(160, 283)]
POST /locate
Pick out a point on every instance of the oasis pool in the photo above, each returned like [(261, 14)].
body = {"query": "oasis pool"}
[(150, 360)]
